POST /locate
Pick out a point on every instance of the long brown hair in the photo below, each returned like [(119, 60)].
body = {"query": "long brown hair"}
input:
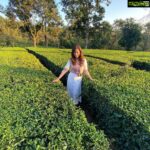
[(81, 57)]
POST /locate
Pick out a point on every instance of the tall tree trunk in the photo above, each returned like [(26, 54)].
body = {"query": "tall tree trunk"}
[(45, 36), (86, 39), (46, 40), (34, 41), (13, 44), (58, 44), (87, 34)]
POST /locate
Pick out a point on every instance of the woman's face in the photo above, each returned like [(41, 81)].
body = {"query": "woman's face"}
[(76, 53)]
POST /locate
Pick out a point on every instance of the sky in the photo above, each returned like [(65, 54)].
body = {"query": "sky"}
[(118, 9)]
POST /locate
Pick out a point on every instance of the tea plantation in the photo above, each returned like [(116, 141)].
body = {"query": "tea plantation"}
[(37, 114), (119, 96)]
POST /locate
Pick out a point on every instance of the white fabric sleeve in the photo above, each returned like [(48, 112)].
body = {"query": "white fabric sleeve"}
[(67, 66)]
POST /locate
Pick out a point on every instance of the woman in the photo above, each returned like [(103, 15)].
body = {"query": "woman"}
[(77, 65)]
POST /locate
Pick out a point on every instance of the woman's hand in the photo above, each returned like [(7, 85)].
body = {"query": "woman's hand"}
[(91, 79), (64, 71), (56, 80), (89, 76)]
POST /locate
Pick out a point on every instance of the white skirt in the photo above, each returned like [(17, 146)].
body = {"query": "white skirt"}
[(74, 87)]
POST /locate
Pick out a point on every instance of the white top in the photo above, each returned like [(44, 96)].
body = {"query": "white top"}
[(76, 68)]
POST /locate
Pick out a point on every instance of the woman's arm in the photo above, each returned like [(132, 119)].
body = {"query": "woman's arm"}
[(64, 71), (86, 72)]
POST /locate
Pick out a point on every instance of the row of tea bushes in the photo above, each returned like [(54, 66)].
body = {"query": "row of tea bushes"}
[(122, 109), (124, 56), (37, 114), (119, 99), (17, 57), (142, 65), (139, 60)]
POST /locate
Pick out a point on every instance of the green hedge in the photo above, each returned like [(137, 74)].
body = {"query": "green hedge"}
[(37, 114), (141, 65), (119, 98)]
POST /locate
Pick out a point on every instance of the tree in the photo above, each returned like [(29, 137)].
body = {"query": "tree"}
[(50, 19), (145, 44), (68, 38), (9, 32), (100, 37), (2, 10), (131, 34), (116, 33), (82, 15), (35, 15)]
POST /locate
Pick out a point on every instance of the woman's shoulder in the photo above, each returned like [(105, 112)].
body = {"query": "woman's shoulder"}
[(69, 60), (84, 59)]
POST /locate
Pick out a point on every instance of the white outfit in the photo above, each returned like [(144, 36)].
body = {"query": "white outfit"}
[(74, 81)]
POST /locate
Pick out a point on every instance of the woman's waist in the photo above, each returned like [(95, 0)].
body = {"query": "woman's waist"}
[(75, 72), (75, 75)]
